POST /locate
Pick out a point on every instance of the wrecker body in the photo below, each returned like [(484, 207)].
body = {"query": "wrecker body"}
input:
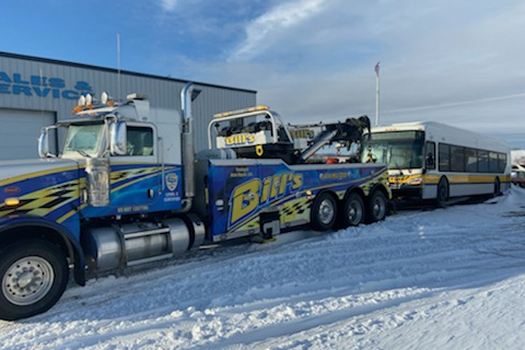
[(129, 189)]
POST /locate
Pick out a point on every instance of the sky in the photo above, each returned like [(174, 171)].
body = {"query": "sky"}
[(458, 62)]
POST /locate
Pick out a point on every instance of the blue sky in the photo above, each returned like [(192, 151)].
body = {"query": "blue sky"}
[(459, 62)]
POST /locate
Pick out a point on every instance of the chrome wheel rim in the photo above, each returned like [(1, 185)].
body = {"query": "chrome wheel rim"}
[(355, 212), (326, 211), (27, 281)]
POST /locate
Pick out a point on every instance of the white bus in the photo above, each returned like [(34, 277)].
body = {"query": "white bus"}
[(430, 160)]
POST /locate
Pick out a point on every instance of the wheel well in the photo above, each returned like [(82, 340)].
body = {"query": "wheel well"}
[(37, 232), (357, 190), (331, 193), (379, 187)]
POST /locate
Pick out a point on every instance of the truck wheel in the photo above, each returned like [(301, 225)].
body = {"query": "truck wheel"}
[(353, 212), (442, 193), (33, 276), (324, 212), (376, 207)]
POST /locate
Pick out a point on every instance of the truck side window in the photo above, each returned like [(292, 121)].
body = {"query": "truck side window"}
[(140, 141)]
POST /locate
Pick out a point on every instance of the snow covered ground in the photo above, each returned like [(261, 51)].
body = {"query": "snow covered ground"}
[(452, 278)]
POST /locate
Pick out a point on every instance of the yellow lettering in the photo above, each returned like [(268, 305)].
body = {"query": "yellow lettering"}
[(284, 182), (245, 199), (266, 189), (275, 186), (297, 181)]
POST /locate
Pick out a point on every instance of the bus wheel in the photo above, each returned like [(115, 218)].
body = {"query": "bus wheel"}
[(442, 193), (497, 187), (324, 212), (376, 207), (353, 211), (33, 276)]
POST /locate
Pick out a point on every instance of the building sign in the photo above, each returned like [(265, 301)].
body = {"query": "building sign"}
[(42, 86)]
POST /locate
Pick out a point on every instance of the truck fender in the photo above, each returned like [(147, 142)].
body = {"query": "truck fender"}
[(74, 251)]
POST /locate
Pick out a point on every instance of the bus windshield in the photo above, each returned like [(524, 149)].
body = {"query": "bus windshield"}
[(397, 149)]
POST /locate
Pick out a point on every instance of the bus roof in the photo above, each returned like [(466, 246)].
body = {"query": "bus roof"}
[(440, 132)]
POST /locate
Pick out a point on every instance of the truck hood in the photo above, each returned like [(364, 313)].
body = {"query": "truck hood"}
[(16, 170)]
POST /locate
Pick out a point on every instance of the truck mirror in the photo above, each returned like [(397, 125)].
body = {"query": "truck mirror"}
[(43, 144), (118, 138)]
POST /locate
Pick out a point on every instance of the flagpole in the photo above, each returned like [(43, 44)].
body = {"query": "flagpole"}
[(378, 82)]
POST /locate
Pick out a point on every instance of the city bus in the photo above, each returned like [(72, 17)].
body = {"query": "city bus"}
[(435, 161)]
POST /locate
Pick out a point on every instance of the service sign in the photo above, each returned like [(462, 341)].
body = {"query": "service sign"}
[(42, 86)]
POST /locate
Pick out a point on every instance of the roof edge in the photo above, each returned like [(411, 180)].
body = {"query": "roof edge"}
[(114, 70)]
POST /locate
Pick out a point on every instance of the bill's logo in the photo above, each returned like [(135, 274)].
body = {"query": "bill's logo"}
[(240, 139), (249, 196)]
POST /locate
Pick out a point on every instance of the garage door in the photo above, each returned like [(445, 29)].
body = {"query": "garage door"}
[(19, 131)]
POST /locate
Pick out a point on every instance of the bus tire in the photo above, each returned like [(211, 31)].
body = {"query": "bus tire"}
[(33, 275), (324, 212), (443, 193), (353, 211), (376, 207)]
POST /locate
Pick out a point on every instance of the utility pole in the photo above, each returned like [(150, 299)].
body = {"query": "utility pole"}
[(376, 68), (118, 67)]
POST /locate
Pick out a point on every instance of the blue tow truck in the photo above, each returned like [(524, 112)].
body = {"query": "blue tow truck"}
[(128, 189)]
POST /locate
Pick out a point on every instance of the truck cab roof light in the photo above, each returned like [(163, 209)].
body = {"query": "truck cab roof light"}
[(241, 111)]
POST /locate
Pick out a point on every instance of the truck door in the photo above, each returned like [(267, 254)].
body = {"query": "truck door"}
[(135, 178)]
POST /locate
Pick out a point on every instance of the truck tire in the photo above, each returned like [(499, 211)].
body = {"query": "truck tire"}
[(324, 212), (443, 193), (33, 276), (353, 211), (376, 207)]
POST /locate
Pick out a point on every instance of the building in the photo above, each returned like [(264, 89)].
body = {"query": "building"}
[(35, 92)]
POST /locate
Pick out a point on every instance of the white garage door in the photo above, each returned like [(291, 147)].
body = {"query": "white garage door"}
[(19, 131)]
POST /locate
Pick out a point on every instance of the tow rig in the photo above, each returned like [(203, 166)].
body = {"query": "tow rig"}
[(128, 189)]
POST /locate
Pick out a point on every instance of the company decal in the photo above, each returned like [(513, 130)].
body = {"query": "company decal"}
[(172, 180), (334, 176), (42, 86), (302, 133), (248, 197), (240, 139)]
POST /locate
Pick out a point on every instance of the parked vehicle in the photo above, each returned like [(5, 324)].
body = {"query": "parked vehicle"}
[(429, 160), (128, 189), (518, 175)]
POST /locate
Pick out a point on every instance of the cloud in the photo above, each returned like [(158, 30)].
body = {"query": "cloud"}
[(267, 25), (443, 60), (168, 5)]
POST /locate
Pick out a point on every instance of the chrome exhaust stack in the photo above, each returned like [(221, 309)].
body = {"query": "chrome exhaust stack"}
[(188, 150)]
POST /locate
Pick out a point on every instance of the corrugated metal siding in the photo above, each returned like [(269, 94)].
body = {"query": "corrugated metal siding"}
[(162, 93)]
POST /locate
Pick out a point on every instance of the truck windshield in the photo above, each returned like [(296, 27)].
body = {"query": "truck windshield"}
[(397, 149), (84, 140)]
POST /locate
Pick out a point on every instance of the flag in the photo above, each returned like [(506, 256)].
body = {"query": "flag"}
[(376, 68)]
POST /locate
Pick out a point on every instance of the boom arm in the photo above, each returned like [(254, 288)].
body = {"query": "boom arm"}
[(349, 131)]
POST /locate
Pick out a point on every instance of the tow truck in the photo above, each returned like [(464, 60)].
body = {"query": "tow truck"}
[(128, 189)]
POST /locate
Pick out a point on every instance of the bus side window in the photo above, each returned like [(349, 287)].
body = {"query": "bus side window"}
[(430, 155), (493, 162), (444, 157), (483, 161), (502, 162)]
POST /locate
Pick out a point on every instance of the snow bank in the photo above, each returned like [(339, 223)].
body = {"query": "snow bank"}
[(452, 278)]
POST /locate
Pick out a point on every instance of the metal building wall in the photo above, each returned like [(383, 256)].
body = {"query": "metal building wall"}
[(20, 73)]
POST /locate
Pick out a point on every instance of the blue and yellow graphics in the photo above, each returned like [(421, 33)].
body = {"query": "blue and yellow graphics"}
[(239, 191), (57, 193)]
